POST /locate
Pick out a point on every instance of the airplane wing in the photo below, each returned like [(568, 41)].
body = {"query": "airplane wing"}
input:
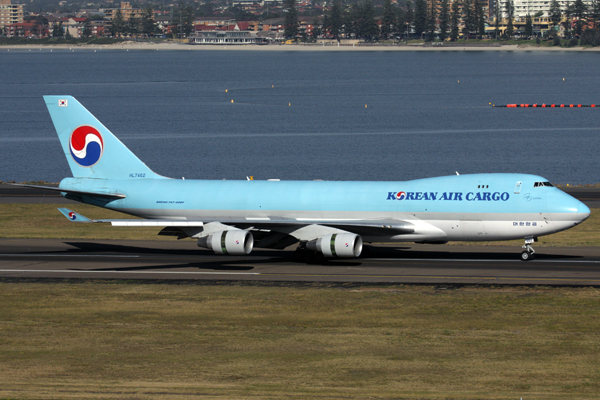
[(270, 230), (364, 227), (360, 227)]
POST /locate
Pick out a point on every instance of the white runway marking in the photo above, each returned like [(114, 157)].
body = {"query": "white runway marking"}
[(479, 260), (69, 255)]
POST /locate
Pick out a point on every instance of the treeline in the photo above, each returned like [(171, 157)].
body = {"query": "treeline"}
[(412, 20), (442, 20), (578, 19)]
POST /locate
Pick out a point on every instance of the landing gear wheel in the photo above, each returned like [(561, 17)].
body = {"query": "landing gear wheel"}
[(526, 256)]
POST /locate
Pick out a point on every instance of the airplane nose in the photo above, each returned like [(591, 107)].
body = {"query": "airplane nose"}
[(583, 211), (560, 202)]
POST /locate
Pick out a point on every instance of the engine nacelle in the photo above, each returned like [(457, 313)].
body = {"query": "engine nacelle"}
[(342, 245), (236, 242)]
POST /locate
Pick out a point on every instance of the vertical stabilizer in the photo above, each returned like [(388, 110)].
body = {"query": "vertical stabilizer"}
[(91, 149)]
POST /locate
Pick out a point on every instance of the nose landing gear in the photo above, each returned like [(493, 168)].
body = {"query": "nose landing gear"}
[(527, 255)]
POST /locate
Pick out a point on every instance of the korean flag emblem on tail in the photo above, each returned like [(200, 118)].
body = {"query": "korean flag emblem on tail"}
[(63, 103)]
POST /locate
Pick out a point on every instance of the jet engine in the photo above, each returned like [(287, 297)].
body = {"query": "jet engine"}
[(342, 245), (235, 242)]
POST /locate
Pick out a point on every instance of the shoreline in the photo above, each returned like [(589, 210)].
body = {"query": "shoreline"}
[(286, 47)]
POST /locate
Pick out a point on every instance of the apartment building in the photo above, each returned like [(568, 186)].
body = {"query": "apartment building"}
[(10, 13), (531, 7), (126, 11)]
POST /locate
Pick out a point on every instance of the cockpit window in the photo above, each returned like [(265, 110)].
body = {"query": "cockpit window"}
[(540, 184)]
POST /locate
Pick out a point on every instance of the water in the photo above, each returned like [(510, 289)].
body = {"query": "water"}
[(426, 114)]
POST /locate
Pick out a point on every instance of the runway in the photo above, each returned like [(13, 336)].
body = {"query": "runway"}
[(393, 264), (182, 260)]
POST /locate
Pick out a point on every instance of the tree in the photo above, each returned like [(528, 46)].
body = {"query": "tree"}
[(481, 24), (444, 20), (410, 18), (421, 18), (497, 16), (368, 25), (555, 13), (528, 26), (401, 23), (316, 30), (469, 19), (455, 20), (291, 23), (148, 26), (479, 21), (349, 21), (432, 21), (590, 37), (335, 20), (55, 31), (183, 18), (60, 30), (361, 21), (594, 15), (388, 19), (579, 13), (87, 29), (133, 27), (118, 24), (510, 14), (567, 23)]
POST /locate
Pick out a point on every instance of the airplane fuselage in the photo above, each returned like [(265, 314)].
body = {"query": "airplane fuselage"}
[(458, 207)]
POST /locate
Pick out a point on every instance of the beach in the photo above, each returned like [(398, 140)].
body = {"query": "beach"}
[(165, 46)]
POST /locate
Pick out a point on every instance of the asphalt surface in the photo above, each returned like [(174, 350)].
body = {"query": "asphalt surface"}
[(400, 263), (182, 260)]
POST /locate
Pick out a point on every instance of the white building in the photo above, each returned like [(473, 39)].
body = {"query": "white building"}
[(531, 7)]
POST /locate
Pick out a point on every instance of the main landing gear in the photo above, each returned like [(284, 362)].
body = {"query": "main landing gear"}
[(304, 255), (527, 255)]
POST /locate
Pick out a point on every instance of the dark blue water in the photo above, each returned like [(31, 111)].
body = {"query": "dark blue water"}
[(427, 113)]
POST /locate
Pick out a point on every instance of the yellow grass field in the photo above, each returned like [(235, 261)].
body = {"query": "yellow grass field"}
[(131, 341)]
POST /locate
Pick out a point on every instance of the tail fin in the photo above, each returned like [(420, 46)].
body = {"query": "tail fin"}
[(91, 149)]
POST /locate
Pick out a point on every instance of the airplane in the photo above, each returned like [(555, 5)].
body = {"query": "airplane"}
[(328, 219)]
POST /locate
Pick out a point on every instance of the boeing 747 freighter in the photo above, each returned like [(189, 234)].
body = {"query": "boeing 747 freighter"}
[(327, 219)]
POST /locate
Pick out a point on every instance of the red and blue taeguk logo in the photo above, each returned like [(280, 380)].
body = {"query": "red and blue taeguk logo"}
[(86, 145), (400, 195), (72, 216)]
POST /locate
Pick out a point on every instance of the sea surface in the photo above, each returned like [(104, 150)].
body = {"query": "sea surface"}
[(377, 115)]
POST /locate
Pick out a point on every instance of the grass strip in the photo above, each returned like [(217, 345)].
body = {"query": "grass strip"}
[(118, 340), (43, 221)]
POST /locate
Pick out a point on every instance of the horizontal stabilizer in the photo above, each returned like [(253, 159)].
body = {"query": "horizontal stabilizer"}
[(76, 217), (73, 216)]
